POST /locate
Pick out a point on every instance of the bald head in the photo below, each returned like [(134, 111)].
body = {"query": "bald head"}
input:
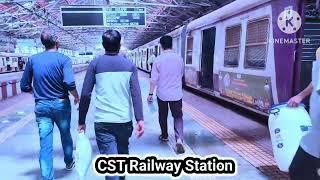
[(49, 39)]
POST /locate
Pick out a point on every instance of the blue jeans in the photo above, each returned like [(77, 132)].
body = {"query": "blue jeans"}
[(113, 138), (47, 113)]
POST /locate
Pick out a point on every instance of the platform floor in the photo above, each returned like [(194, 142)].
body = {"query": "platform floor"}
[(209, 129)]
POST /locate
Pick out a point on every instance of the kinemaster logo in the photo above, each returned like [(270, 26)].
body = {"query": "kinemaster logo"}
[(289, 21)]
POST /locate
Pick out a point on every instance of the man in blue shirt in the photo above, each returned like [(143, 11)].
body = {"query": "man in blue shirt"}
[(52, 76)]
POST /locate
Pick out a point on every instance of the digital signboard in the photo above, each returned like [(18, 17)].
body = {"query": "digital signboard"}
[(126, 17), (103, 16)]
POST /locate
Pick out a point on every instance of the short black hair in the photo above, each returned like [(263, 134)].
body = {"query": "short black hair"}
[(111, 41), (48, 39), (166, 42)]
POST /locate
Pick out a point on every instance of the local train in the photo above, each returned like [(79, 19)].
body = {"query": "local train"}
[(243, 54), (12, 62), (15, 62)]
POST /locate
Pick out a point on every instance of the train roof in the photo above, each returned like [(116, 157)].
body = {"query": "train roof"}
[(225, 12), (222, 13)]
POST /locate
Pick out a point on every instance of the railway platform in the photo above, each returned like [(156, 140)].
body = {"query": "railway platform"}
[(209, 129)]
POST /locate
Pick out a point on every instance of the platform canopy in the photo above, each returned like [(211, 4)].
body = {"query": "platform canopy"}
[(27, 18)]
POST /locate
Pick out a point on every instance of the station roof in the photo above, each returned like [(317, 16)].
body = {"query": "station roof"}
[(27, 18)]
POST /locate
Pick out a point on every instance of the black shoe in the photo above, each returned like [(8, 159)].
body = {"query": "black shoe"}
[(163, 139), (180, 148), (70, 166)]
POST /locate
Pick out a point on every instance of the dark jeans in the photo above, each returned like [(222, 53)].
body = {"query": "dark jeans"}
[(304, 166), (176, 111), (47, 113), (113, 138)]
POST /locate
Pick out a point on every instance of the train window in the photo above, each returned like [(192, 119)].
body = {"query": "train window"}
[(232, 46), (189, 50), (256, 44)]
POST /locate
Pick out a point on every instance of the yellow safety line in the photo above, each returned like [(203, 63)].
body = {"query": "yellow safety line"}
[(13, 129), (249, 151)]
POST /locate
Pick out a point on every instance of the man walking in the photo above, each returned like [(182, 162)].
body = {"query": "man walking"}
[(166, 75), (117, 90), (305, 164), (52, 77)]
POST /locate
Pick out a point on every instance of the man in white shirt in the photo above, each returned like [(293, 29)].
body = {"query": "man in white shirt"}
[(306, 163), (166, 75)]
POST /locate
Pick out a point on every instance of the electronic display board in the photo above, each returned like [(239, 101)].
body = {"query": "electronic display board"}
[(103, 16), (127, 17)]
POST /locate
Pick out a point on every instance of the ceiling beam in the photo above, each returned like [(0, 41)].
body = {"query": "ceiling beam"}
[(150, 4), (50, 22)]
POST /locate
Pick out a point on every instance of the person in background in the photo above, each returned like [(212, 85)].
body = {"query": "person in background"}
[(117, 90), (151, 60), (9, 68), (166, 75), (306, 162), (20, 63), (52, 76)]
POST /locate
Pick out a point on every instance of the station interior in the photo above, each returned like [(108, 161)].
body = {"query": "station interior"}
[(242, 63)]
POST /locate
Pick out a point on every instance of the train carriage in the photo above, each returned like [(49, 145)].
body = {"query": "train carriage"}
[(239, 53), (12, 62), (228, 55)]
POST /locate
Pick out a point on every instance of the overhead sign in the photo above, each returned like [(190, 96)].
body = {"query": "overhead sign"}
[(103, 16), (125, 17)]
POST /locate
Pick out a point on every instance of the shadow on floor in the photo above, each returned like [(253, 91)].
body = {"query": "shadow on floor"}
[(58, 174)]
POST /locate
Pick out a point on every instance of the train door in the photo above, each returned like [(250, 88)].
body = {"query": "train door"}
[(147, 59), (208, 43), (8, 63), (178, 46), (156, 49), (140, 58), (135, 58), (189, 49), (2, 64)]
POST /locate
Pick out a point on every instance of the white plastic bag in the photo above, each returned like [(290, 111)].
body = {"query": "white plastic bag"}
[(287, 126), (83, 155), (152, 107)]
